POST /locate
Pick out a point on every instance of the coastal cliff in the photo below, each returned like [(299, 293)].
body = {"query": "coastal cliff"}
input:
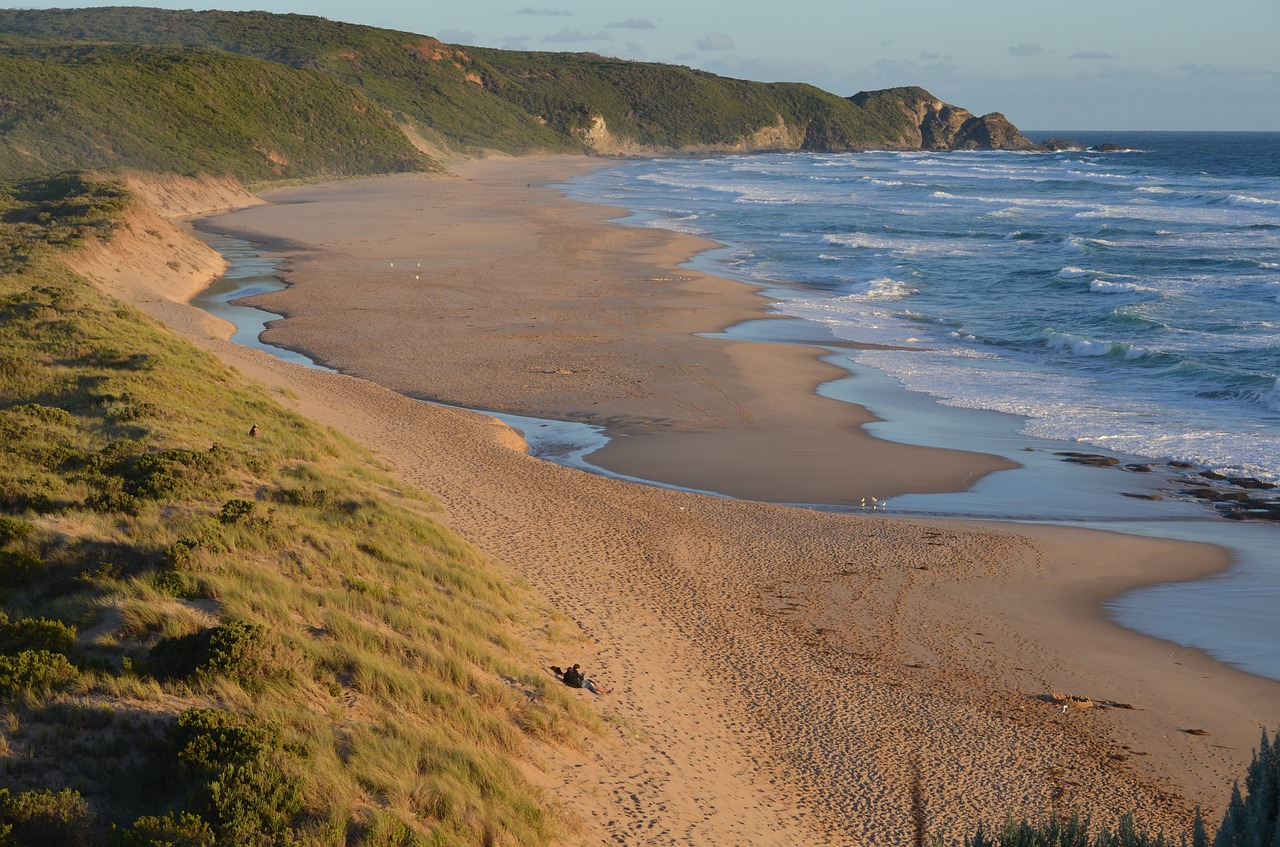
[(262, 97), (924, 122)]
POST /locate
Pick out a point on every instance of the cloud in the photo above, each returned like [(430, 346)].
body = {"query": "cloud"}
[(685, 57), (554, 13), (1093, 54), (633, 23), (573, 36), (456, 36), (930, 57), (716, 41), (1026, 50), (1222, 72)]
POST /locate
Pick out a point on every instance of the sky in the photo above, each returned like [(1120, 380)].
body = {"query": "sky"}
[(1074, 65)]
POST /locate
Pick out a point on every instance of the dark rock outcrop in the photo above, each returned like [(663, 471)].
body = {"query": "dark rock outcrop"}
[(924, 122), (1061, 145)]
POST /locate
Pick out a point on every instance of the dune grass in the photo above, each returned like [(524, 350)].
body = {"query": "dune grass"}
[(217, 638)]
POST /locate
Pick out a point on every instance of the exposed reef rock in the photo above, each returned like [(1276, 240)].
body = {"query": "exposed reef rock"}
[(1061, 145)]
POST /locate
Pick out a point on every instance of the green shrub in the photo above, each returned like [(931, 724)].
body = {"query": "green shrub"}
[(13, 529), (234, 649), (236, 511), (36, 673), (1248, 822), (36, 634), (239, 775), (18, 569), (46, 818), (309, 496), (176, 829), (172, 473)]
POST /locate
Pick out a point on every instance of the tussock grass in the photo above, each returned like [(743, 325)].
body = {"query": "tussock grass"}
[(362, 656)]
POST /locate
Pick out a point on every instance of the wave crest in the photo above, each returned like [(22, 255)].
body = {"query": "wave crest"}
[(1079, 345)]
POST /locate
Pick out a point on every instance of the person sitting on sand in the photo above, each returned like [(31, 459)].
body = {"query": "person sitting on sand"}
[(574, 678)]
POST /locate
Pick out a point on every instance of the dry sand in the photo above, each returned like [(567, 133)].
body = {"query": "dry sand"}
[(781, 675)]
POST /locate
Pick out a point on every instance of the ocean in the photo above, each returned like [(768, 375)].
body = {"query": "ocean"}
[(1122, 302), (1126, 300)]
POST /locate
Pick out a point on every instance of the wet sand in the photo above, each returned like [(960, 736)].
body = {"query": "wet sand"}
[(780, 675), (512, 299)]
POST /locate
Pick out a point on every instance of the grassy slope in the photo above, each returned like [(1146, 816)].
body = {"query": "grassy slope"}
[(474, 98), (187, 111), (358, 658), (417, 78)]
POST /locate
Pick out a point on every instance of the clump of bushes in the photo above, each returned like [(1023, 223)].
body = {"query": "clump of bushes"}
[(234, 649), (35, 674), (45, 817), (36, 634), (236, 511), (176, 829), (17, 569), (240, 777), (175, 472)]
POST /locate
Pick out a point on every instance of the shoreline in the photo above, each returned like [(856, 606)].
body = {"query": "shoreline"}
[(742, 419), (920, 644)]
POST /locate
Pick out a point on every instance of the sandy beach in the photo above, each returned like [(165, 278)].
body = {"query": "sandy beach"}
[(781, 675), (511, 305)]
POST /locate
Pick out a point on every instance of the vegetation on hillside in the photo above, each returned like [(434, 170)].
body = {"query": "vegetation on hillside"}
[(671, 107), (467, 99), (186, 111), (211, 638)]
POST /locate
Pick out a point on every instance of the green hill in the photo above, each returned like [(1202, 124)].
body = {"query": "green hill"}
[(187, 111), (219, 88)]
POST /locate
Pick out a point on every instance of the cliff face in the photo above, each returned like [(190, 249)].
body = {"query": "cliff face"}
[(924, 122)]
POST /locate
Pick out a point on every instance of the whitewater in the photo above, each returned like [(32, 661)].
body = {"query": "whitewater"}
[(1125, 300)]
